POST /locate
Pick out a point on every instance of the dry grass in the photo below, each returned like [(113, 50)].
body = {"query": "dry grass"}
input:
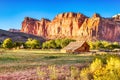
[(12, 60), (28, 64)]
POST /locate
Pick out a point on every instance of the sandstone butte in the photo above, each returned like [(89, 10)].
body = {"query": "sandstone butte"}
[(76, 26)]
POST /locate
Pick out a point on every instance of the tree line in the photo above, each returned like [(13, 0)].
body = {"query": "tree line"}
[(99, 45), (35, 44), (55, 44)]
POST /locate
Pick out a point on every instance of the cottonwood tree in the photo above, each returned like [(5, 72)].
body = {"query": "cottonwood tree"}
[(7, 43), (32, 43)]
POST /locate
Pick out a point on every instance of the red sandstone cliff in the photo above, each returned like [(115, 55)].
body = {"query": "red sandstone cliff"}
[(75, 25), (34, 26)]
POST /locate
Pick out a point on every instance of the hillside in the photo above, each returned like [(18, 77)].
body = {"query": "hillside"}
[(18, 36), (76, 26)]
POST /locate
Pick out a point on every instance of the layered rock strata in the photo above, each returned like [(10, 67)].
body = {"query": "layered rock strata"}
[(76, 26)]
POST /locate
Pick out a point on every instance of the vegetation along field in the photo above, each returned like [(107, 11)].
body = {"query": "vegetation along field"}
[(32, 60), (51, 64), (12, 60)]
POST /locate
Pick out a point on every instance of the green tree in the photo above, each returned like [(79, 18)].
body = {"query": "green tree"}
[(65, 42), (49, 44), (18, 44), (7, 43), (91, 44), (32, 43), (116, 45), (56, 44), (0, 44), (106, 44), (44, 45), (52, 44), (99, 44)]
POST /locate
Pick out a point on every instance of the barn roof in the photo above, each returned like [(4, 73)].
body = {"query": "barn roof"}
[(74, 45)]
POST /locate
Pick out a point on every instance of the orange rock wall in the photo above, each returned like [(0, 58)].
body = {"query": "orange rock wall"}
[(74, 25)]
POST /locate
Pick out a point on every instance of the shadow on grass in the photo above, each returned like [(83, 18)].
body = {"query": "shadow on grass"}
[(51, 57), (8, 59)]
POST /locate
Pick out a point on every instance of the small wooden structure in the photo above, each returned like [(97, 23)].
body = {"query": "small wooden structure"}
[(76, 47)]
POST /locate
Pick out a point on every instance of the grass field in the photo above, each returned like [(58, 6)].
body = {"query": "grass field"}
[(13, 60), (45, 64)]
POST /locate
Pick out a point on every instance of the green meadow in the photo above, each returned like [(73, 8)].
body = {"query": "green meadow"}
[(12, 60)]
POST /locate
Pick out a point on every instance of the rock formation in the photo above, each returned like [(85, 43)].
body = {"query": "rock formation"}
[(76, 26), (34, 26), (14, 30)]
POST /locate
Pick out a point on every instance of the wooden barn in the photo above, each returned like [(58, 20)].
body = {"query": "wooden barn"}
[(76, 47)]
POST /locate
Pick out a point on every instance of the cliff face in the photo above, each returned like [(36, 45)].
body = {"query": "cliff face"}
[(76, 26), (65, 25), (34, 26)]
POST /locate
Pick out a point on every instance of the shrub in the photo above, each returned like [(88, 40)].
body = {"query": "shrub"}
[(97, 64), (92, 45), (111, 71), (53, 71), (99, 71), (85, 74), (74, 73)]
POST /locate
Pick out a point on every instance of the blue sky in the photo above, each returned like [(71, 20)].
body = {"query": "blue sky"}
[(12, 12)]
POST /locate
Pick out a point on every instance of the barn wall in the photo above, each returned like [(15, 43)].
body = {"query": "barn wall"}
[(83, 48)]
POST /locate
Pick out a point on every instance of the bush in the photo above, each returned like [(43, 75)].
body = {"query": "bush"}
[(74, 73), (99, 71), (85, 74), (7, 43), (97, 64)]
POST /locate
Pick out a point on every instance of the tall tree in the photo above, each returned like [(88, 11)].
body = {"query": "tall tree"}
[(7, 43)]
